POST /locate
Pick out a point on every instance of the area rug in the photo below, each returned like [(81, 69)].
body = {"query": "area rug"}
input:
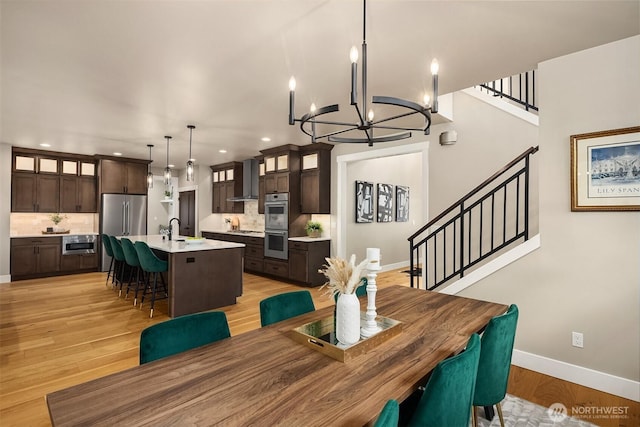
[(522, 413)]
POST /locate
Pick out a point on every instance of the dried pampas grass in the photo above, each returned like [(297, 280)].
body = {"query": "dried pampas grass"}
[(343, 277)]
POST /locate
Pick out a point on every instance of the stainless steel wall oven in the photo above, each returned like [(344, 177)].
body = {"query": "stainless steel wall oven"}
[(276, 225)]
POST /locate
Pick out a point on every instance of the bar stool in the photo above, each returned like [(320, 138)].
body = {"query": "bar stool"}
[(150, 263), (131, 257), (106, 242), (118, 255)]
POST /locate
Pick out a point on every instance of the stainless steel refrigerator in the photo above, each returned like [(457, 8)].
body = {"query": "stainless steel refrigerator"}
[(122, 215)]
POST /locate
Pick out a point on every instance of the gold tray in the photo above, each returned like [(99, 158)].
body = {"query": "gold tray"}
[(320, 336), (55, 232)]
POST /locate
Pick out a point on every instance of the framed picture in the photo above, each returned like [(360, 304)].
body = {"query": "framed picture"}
[(605, 170), (364, 201), (402, 203), (385, 202)]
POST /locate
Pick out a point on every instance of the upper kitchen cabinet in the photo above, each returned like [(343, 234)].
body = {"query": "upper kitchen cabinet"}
[(122, 176), (261, 189), (35, 184), (227, 183), (315, 178), (281, 169), (78, 186)]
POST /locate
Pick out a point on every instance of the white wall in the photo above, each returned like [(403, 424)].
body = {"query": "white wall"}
[(5, 210), (586, 276), (391, 237)]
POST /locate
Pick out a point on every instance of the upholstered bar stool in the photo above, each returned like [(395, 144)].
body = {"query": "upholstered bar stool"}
[(131, 257), (106, 243), (151, 264), (119, 263)]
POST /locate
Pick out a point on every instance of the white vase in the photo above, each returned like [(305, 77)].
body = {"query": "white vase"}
[(348, 319)]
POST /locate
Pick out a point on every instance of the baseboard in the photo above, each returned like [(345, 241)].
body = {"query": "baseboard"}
[(494, 265), (395, 266), (579, 375), (5, 278)]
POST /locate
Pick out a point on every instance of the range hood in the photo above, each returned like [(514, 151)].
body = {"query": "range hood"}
[(249, 181)]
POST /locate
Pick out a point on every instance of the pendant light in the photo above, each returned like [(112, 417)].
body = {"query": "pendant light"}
[(149, 173), (167, 170), (190, 161)]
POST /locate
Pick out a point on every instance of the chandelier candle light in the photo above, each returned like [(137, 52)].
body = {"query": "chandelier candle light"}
[(167, 170), (190, 161), (371, 327), (365, 124)]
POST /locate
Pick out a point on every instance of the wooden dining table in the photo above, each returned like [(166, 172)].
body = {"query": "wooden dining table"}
[(264, 378)]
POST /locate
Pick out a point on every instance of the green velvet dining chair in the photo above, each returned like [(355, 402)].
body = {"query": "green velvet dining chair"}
[(131, 258), (284, 306), (389, 415), (181, 334), (119, 263), (151, 264), (495, 362), (447, 397), (106, 243)]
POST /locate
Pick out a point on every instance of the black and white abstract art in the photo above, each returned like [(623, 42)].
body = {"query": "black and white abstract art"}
[(364, 201), (402, 203), (385, 202)]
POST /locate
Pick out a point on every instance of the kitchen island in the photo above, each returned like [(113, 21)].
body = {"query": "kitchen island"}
[(203, 274)]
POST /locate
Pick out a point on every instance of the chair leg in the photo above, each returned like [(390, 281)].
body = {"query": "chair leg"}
[(109, 272), (474, 416), (500, 413), (145, 280), (153, 293)]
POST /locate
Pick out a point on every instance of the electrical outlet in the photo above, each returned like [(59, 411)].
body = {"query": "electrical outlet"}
[(577, 340)]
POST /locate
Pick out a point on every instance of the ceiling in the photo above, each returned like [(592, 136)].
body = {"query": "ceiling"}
[(100, 76)]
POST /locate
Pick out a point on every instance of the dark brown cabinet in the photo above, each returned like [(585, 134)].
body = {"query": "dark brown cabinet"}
[(77, 194), (35, 257), (79, 262), (276, 183), (305, 259), (253, 251), (122, 177), (315, 178), (226, 183), (32, 192)]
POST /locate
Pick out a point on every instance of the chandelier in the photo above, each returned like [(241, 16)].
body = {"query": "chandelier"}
[(365, 124)]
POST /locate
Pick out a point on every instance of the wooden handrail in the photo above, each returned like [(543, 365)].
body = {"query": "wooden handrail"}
[(471, 193)]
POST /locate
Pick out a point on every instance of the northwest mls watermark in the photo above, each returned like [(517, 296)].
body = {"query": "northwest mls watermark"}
[(558, 412)]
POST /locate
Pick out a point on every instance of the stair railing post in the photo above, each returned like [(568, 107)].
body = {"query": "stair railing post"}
[(462, 240)]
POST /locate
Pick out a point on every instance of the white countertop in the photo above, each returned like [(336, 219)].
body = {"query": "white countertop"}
[(261, 235), (175, 245), (17, 236), (308, 239), (248, 233)]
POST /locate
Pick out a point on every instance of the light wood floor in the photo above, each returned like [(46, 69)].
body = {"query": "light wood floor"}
[(58, 332)]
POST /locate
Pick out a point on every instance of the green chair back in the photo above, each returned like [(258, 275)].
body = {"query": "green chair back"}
[(116, 248), (495, 358), (130, 254), (181, 334), (148, 260), (389, 416), (284, 306), (106, 242), (448, 395)]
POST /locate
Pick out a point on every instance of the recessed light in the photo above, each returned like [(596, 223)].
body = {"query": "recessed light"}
[(266, 139), (117, 154), (222, 151), (44, 144)]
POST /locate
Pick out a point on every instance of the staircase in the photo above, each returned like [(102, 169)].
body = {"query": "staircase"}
[(486, 222)]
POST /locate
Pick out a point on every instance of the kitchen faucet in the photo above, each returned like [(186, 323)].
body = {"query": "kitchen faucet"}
[(177, 219)]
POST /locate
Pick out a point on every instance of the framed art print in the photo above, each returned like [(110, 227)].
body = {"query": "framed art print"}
[(364, 202), (385, 202), (605, 170), (402, 203)]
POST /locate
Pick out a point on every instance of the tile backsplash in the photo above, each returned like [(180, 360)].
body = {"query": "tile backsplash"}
[(21, 224)]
